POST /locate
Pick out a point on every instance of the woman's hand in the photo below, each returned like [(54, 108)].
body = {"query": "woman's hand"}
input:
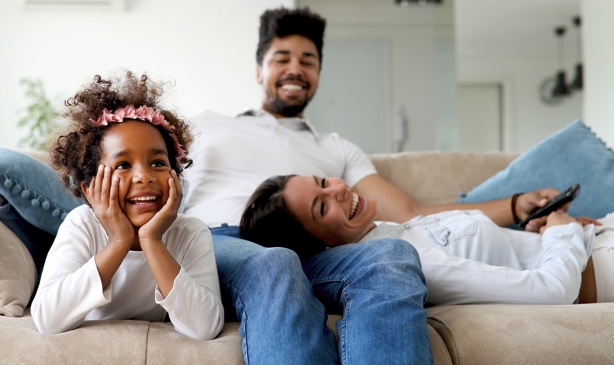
[(585, 221), (528, 202), (162, 220), (102, 194), (557, 218)]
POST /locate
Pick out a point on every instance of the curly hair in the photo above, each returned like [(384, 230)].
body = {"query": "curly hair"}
[(283, 22), (77, 151), (267, 221)]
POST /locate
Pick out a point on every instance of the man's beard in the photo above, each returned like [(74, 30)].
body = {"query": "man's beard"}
[(290, 111), (278, 106)]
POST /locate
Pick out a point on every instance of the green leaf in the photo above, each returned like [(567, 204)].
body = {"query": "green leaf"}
[(37, 117)]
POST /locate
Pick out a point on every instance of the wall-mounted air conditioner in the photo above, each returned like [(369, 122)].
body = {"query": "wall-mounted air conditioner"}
[(116, 5)]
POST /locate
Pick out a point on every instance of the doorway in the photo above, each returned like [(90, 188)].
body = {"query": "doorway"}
[(354, 96), (481, 119)]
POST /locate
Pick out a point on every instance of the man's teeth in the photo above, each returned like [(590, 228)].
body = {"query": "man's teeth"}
[(292, 87), (354, 204)]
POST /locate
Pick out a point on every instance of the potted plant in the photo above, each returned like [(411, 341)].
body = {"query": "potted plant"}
[(38, 116)]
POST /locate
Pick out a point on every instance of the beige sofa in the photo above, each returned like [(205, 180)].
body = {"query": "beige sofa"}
[(461, 334)]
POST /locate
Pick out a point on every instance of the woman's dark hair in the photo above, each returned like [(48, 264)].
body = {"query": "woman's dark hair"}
[(267, 221), (77, 151), (284, 22)]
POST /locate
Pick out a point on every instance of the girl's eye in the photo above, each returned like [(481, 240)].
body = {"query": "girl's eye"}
[(158, 163), (122, 166)]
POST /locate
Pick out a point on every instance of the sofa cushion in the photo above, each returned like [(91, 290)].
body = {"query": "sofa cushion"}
[(487, 334), (115, 342), (17, 274), (572, 155)]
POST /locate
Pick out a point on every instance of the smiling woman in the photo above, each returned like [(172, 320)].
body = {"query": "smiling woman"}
[(318, 203), (267, 221), (464, 254)]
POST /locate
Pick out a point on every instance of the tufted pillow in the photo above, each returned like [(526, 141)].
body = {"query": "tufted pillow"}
[(572, 155), (17, 274)]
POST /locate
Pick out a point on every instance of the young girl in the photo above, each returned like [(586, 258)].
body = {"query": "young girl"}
[(127, 254), (465, 256)]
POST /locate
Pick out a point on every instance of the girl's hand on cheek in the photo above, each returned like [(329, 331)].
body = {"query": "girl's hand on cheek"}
[(103, 196), (162, 220)]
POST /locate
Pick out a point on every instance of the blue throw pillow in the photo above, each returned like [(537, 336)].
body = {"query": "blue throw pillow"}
[(572, 155)]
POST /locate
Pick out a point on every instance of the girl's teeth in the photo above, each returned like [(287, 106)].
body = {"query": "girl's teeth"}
[(144, 198)]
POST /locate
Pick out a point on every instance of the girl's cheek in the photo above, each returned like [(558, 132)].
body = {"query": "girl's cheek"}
[(122, 188)]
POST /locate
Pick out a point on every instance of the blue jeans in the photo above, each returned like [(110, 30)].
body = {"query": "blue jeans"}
[(33, 201), (378, 286)]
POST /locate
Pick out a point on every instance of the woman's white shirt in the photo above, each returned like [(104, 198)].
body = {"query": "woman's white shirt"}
[(466, 258)]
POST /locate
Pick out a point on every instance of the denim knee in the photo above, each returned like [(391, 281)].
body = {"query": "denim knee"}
[(266, 279), (275, 304), (394, 263), (272, 265), (392, 250)]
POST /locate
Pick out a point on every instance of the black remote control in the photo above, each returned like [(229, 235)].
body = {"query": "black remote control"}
[(555, 203)]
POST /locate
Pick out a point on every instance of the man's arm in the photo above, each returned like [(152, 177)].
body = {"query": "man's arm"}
[(395, 205)]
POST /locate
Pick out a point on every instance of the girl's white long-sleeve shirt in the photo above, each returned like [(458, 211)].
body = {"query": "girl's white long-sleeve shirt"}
[(70, 290), (467, 258)]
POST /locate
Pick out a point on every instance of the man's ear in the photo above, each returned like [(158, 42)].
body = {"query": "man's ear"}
[(259, 74)]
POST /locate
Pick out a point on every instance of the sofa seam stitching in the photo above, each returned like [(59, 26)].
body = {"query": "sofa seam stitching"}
[(147, 342)]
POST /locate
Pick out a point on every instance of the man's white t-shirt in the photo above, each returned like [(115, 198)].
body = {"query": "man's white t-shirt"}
[(233, 155)]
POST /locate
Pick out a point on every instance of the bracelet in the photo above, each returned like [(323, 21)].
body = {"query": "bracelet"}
[(514, 198)]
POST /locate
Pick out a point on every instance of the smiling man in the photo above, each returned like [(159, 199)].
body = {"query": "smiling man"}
[(289, 72), (282, 303)]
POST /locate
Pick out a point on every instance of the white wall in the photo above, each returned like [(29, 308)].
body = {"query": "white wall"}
[(529, 120), (206, 46), (598, 44), (520, 63), (419, 38)]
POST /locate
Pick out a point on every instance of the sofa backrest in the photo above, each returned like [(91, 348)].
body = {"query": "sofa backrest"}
[(438, 177), (432, 177)]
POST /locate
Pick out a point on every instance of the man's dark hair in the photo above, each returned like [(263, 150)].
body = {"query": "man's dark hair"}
[(267, 222), (283, 22)]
